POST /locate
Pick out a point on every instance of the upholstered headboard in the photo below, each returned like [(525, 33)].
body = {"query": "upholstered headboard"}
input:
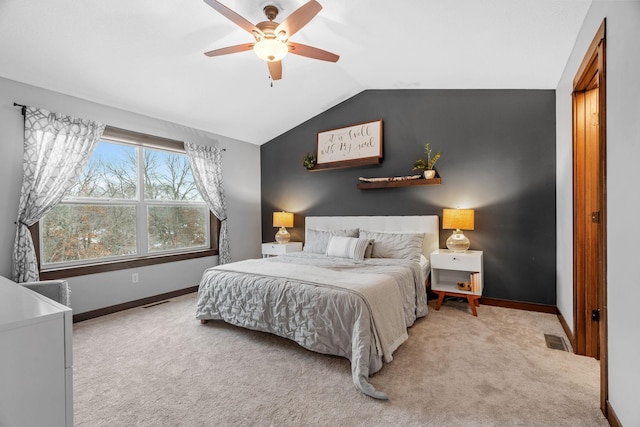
[(427, 224)]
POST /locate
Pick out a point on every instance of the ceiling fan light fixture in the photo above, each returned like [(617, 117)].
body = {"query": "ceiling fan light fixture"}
[(272, 38), (270, 49)]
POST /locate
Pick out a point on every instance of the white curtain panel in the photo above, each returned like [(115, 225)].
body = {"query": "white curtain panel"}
[(206, 165), (56, 150)]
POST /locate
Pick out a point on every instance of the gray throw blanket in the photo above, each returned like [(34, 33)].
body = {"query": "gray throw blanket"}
[(327, 305)]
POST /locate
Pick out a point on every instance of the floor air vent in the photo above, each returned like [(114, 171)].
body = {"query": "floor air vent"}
[(154, 304), (555, 342)]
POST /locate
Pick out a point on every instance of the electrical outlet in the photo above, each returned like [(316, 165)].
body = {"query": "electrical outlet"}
[(134, 278)]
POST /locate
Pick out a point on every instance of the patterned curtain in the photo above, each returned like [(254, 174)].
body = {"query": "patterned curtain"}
[(56, 150), (206, 165)]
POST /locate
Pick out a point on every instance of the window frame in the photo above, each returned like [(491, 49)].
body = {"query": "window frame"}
[(112, 134)]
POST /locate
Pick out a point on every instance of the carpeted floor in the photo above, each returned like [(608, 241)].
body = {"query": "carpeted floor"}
[(159, 366)]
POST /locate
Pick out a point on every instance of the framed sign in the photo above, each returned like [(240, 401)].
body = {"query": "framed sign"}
[(356, 145)]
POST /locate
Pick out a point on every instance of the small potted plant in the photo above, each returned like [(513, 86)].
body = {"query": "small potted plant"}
[(427, 167), (309, 161)]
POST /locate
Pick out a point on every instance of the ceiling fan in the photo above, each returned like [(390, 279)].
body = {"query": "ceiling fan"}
[(272, 38)]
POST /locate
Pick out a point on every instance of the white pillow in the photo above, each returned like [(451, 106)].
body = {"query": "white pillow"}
[(395, 245), (317, 240), (347, 247)]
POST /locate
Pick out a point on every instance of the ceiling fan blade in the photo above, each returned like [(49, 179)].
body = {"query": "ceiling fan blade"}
[(233, 16), (275, 69), (312, 52), (299, 18), (230, 49)]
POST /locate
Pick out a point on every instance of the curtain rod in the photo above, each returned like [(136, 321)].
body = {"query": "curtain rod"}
[(23, 107)]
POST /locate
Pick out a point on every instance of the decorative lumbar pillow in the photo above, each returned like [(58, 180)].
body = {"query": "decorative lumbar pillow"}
[(347, 247), (317, 240), (395, 245)]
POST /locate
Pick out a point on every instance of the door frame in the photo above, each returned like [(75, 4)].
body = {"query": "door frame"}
[(592, 74)]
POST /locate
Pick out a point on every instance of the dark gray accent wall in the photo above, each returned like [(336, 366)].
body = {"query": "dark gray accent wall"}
[(498, 157)]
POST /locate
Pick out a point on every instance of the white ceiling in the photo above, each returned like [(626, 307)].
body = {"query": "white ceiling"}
[(146, 56)]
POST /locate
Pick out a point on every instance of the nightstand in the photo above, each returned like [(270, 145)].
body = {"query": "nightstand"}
[(457, 274), (275, 248)]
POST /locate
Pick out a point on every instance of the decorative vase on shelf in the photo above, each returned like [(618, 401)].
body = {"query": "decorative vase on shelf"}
[(429, 174)]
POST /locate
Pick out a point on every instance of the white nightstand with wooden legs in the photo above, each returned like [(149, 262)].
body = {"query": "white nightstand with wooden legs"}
[(457, 274)]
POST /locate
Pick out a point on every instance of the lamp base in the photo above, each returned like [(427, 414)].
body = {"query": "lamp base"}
[(458, 242), (283, 236)]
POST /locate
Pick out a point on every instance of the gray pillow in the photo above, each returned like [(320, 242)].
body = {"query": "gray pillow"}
[(317, 240), (395, 245)]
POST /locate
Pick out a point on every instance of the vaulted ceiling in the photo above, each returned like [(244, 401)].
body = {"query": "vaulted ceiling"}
[(146, 56)]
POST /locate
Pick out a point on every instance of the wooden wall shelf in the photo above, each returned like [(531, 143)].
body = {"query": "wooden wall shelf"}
[(366, 161), (394, 184)]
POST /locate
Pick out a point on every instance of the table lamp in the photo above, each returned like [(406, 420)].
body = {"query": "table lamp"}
[(283, 219), (457, 220)]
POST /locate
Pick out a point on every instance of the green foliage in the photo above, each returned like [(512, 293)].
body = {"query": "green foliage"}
[(421, 165), (432, 161), (309, 161)]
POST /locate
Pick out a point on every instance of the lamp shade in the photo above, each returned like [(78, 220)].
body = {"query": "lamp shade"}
[(283, 219), (458, 219), (270, 50)]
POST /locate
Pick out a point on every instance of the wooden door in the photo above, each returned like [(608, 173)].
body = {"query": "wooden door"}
[(589, 210), (587, 221)]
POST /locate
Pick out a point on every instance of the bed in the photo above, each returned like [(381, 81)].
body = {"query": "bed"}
[(353, 291)]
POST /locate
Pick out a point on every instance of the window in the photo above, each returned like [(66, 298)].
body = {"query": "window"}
[(132, 202)]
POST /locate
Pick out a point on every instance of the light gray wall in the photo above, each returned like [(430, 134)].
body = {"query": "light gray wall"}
[(623, 196), (241, 163)]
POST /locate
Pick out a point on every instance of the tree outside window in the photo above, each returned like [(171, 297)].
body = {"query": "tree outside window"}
[(130, 202)]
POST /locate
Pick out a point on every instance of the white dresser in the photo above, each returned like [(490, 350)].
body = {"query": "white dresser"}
[(36, 369)]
